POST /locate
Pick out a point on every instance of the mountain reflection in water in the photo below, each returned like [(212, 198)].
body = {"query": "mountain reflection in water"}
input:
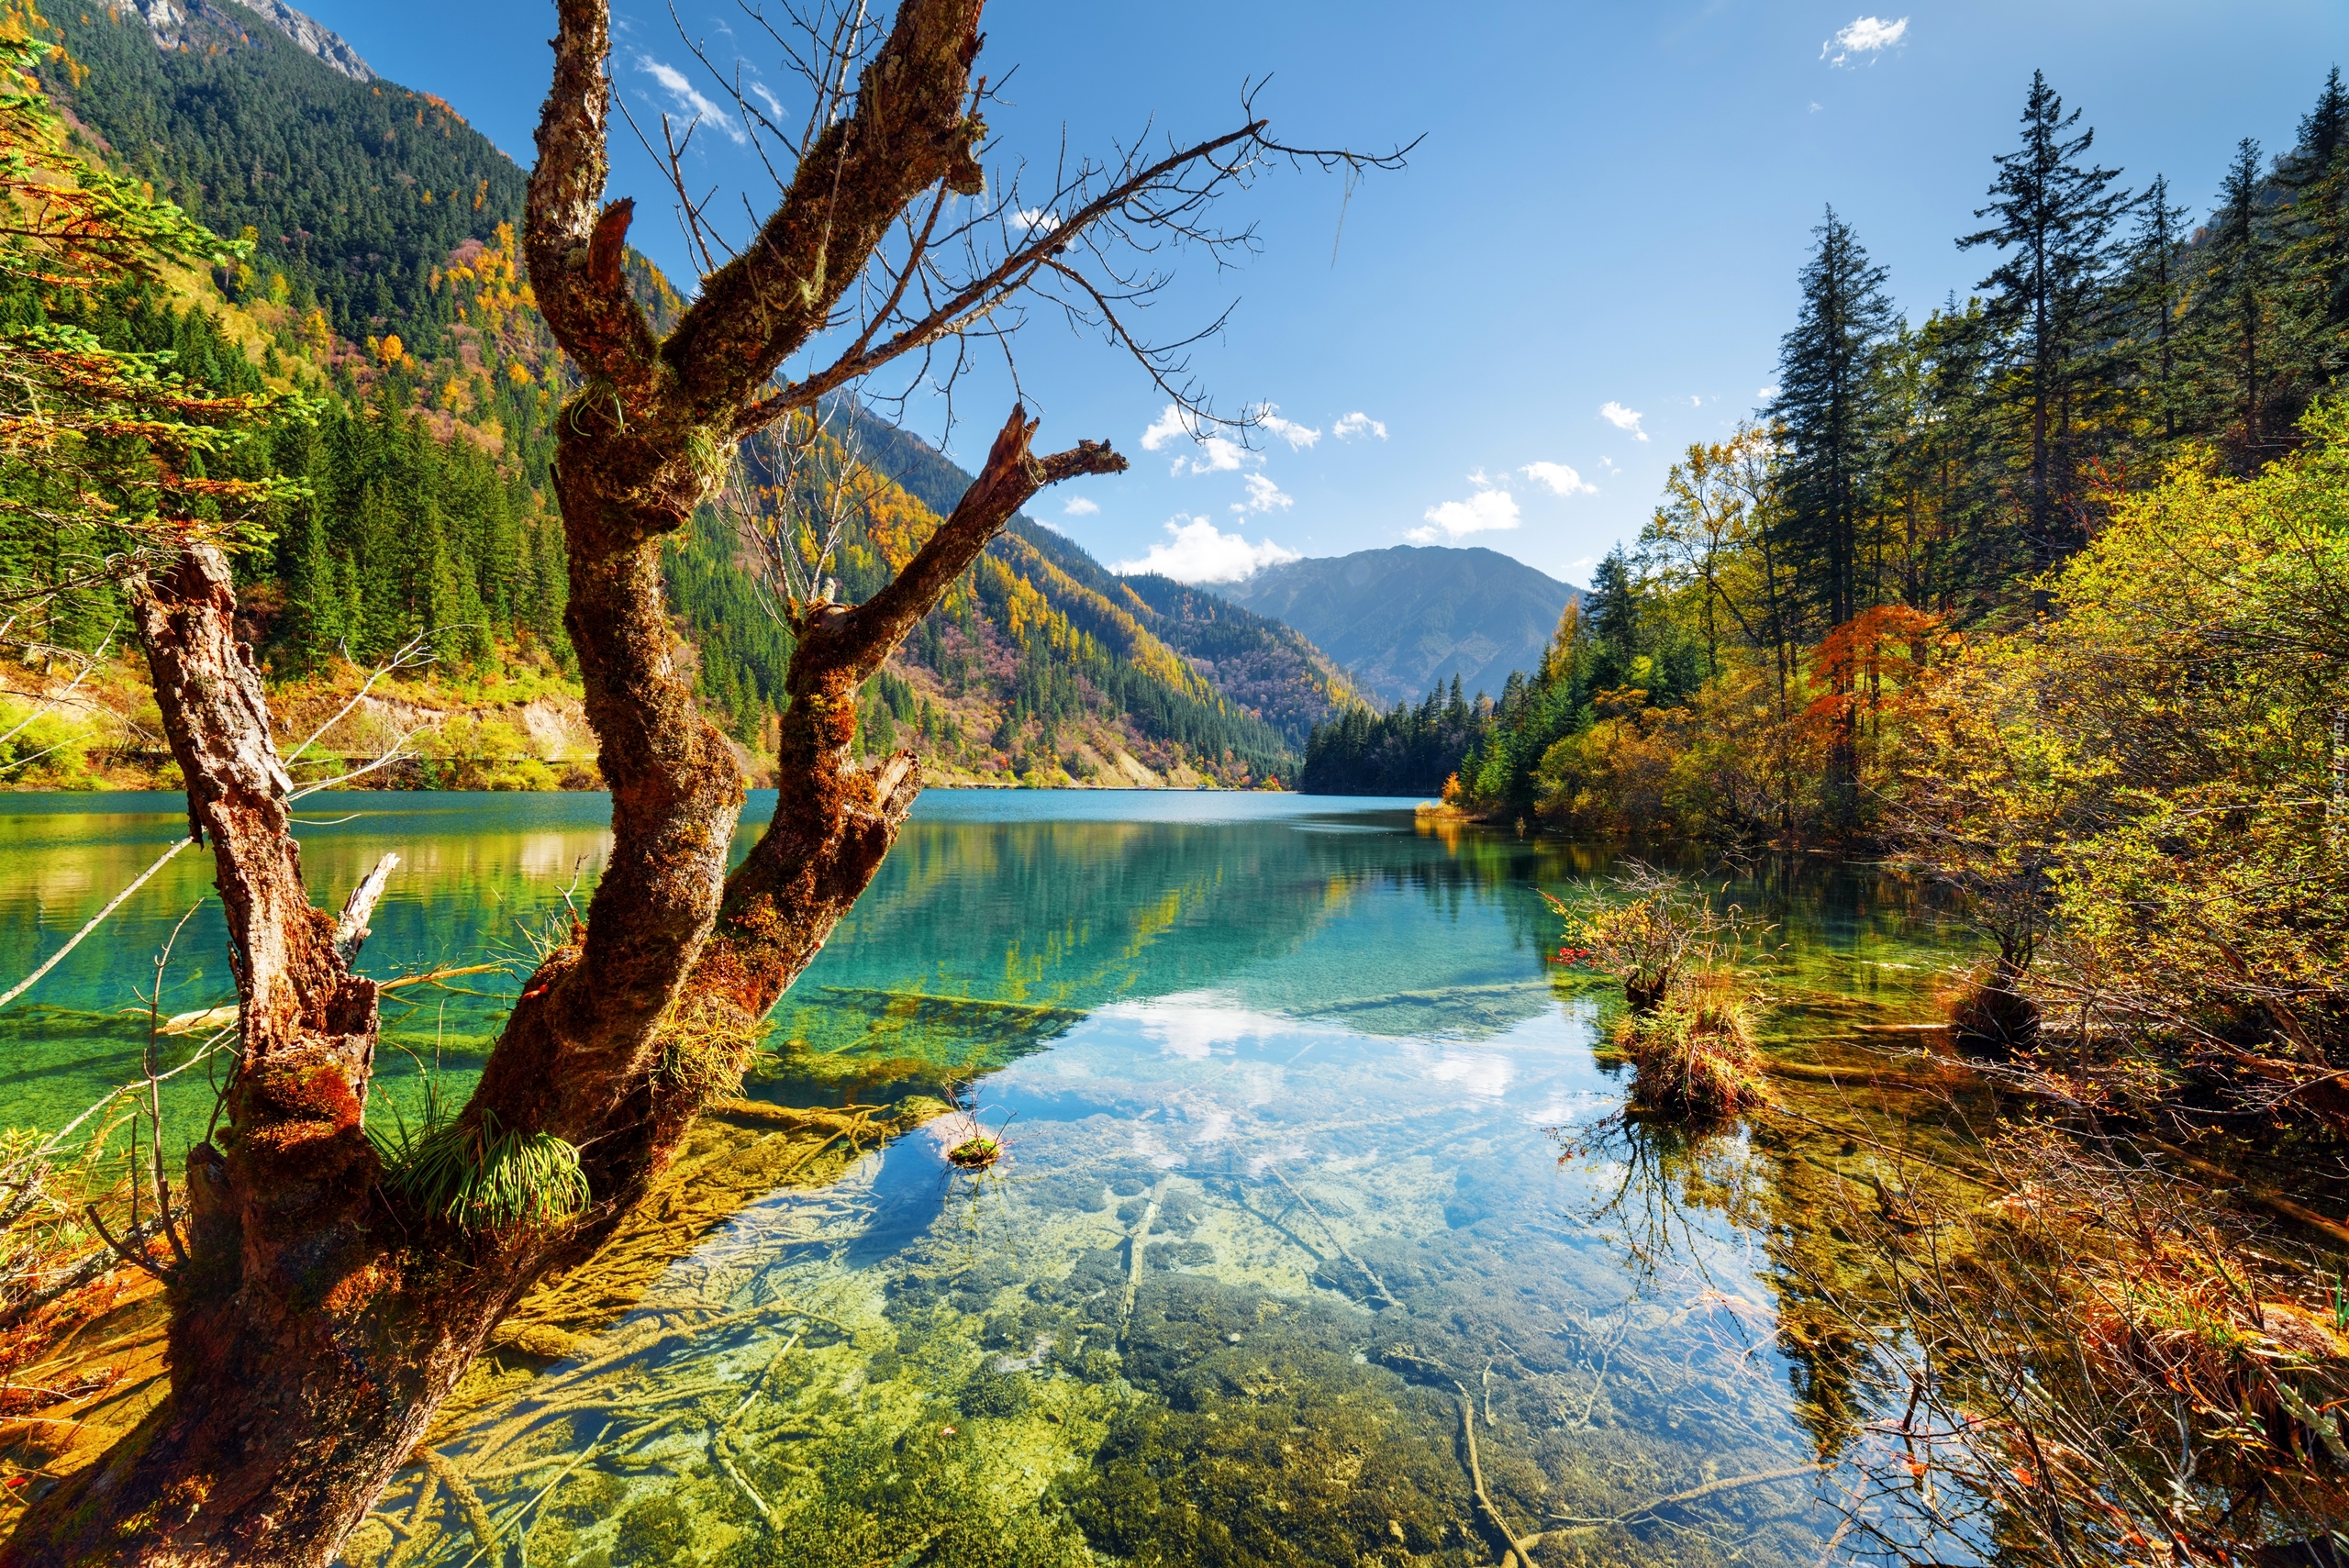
[(1282, 1236)]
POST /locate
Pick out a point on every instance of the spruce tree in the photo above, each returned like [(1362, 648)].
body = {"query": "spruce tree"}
[(313, 619), (2324, 131), (2054, 216), (1824, 369)]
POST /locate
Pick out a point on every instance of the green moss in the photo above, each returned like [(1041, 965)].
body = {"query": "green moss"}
[(924, 1498), (1272, 1445), (992, 1394), (653, 1533)]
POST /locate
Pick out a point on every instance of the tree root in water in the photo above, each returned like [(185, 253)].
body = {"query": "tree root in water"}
[(525, 1511), (1135, 1244), (719, 1452), (428, 1492)]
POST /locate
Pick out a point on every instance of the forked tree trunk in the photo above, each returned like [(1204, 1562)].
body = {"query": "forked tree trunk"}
[(321, 1319)]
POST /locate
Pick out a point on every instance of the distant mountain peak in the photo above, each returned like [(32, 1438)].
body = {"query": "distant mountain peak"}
[(312, 38), (1403, 619), (168, 22)]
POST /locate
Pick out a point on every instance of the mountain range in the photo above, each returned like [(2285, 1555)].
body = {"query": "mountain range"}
[(384, 279), (1404, 620)]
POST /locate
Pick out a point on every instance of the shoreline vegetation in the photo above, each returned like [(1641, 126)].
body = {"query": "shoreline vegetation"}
[(514, 724)]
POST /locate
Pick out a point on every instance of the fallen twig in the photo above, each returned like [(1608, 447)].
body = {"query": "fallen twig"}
[(1376, 1283), (468, 1500), (29, 981), (1524, 1549), (1693, 1494)]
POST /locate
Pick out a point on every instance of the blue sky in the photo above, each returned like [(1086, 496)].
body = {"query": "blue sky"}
[(1604, 220)]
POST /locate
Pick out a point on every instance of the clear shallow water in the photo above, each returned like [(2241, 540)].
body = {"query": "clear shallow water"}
[(1284, 1204)]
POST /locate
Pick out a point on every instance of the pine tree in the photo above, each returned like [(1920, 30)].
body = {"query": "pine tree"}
[(2313, 261), (2054, 216), (1615, 621), (1824, 366), (2236, 303), (2149, 300)]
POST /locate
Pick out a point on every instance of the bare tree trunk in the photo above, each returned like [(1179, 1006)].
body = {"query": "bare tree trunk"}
[(322, 1318)]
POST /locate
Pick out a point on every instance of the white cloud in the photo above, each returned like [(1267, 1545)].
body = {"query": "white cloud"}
[(1867, 35), (1765, 393), (1487, 510), (1290, 430), (689, 97), (1608, 463), (1695, 401), (773, 103), (1200, 552), (1034, 218), (1358, 424), (1218, 454), (1081, 506), (1263, 495), (1560, 479), (1169, 425), (1814, 108), (1622, 418)]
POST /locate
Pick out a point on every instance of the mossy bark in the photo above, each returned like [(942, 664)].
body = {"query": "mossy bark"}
[(318, 1324)]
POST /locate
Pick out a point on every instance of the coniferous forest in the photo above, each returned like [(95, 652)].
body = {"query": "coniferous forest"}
[(1923, 491)]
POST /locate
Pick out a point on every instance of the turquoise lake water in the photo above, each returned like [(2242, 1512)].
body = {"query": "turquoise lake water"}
[(1284, 1221)]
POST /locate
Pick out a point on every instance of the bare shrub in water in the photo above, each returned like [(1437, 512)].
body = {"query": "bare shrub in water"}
[(1695, 1051), (1652, 929), (2101, 1363), (1990, 1010), (1687, 1031)]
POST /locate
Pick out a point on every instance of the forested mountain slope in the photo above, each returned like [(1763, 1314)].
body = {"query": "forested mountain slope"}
[(356, 191), (384, 280)]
